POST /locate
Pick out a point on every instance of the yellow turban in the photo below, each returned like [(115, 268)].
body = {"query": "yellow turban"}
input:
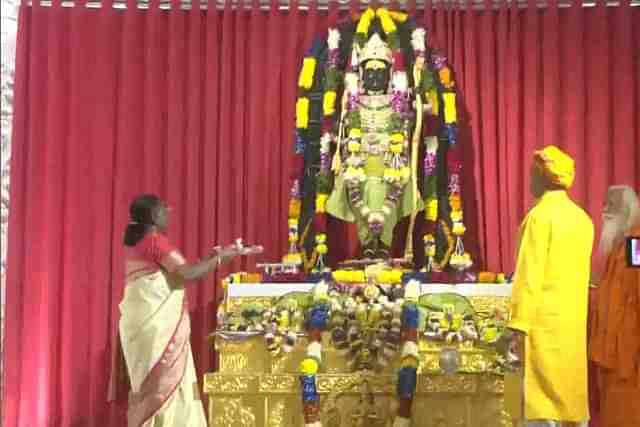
[(557, 165)]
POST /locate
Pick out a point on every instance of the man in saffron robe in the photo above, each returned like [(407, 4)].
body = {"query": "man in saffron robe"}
[(614, 344), (549, 303)]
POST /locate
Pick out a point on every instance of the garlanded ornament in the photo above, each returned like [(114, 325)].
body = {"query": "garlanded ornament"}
[(316, 323), (407, 375)]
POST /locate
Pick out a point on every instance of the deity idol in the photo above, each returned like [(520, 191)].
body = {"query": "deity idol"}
[(372, 170), (360, 142)]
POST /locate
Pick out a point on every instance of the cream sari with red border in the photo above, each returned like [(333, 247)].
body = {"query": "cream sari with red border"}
[(154, 332)]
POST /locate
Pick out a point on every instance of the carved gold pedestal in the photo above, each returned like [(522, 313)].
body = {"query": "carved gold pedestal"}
[(257, 389), (350, 400)]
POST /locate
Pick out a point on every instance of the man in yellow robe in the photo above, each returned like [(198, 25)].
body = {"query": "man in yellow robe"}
[(549, 302), (614, 344)]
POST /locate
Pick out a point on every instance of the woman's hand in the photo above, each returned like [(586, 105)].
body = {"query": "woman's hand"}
[(235, 249)]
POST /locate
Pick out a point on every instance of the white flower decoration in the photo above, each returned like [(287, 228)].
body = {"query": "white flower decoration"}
[(325, 143), (354, 59), (334, 38), (418, 39), (351, 82), (399, 81)]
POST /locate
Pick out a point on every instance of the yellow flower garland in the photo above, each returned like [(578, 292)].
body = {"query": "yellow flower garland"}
[(349, 276), (431, 209), (396, 148), (450, 113), (397, 137), (305, 80), (355, 133), (365, 21), (435, 102), (321, 202), (445, 77), (398, 16), (388, 26), (455, 202), (456, 215), (353, 146), (302, 113), (294, 208), (329, 103)]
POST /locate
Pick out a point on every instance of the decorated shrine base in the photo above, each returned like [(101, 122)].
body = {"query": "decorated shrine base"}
[(257, 388), (359, 399)]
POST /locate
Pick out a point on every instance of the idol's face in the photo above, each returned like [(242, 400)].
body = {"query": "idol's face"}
[(375, 77)]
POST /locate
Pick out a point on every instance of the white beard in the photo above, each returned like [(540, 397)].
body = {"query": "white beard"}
[(612, 233)]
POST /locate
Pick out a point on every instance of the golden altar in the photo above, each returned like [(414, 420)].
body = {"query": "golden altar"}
[(254, 388)]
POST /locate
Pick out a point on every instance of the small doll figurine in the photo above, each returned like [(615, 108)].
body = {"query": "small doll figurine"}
[(469, 331)]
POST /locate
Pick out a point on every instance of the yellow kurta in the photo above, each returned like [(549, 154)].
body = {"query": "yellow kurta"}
[(549, 304)]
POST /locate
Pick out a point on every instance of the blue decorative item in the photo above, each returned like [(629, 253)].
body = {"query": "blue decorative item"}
[(452, 133), (318, 317), (309, 391), (410, 315), (407, 379), (298, 147), (316, 47), (419, 276), (318, 277)]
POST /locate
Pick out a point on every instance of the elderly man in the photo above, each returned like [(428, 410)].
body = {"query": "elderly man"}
[(614, 344), (549, 301)]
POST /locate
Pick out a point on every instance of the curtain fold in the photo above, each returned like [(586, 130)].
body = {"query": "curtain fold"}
[(199, 107)]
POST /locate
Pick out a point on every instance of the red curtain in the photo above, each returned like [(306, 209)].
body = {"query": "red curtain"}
[(199, 107)]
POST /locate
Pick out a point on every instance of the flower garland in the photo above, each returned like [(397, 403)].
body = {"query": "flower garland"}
[(460, 259), (408, 373), (316, 323), (397, 173), (306, 80), (323, 178), (385, 277)]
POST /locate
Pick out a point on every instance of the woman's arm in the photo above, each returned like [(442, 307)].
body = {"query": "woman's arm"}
[(198, 270), (191, 272)]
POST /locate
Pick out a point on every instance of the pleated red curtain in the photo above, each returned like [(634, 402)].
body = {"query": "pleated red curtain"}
[(199, 107), (533, 77)]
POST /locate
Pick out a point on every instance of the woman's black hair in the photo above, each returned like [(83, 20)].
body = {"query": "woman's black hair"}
[(141, 213)]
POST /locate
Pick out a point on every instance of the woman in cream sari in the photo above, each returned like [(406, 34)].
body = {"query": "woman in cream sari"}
[(154, 321)]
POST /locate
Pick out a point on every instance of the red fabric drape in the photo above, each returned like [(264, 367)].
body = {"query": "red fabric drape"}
[(533, 77), (199, 107)]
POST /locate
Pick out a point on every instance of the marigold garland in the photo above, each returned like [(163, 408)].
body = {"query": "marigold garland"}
[(329, 104), (305, 81), (302, 113), (450, 113)]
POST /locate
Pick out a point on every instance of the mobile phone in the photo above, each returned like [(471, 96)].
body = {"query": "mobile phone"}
[(633, 251)]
